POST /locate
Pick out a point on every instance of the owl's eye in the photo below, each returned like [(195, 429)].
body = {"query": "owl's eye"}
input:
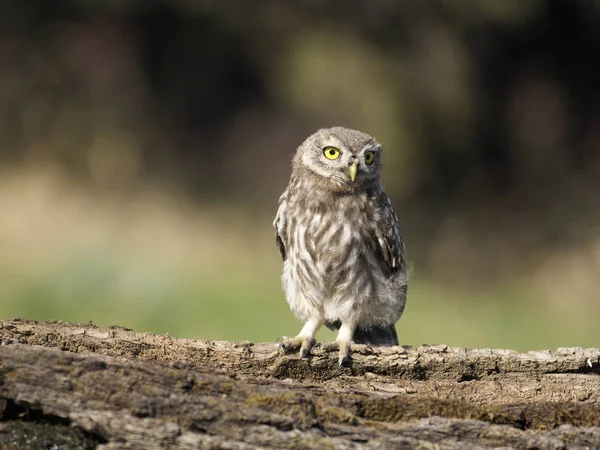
[(331, 152), (369, 157)]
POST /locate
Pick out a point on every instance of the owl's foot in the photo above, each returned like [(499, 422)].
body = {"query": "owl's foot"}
[(289, 344), (345, 349)]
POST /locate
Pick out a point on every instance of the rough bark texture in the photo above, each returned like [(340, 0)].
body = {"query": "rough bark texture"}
[(79, 386)]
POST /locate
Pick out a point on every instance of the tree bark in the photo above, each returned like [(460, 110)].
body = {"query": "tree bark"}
[(87, 387)]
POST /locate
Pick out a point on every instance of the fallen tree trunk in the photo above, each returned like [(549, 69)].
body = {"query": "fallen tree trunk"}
[(84, 387)]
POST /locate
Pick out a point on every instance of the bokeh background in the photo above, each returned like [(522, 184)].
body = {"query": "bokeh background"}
[(144, 145)]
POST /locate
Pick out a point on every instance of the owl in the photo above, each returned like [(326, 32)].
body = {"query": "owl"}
[(344, 261)]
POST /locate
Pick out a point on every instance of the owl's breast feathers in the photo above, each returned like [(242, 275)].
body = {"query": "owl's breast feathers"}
[(334, 231)]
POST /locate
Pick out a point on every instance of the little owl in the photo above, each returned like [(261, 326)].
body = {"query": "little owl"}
[(344, 263)]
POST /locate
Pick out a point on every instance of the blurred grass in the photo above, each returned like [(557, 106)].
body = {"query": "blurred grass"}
[(166, 267), (238, 307)]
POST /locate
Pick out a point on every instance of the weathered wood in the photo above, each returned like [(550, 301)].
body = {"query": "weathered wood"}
[(136, 390)]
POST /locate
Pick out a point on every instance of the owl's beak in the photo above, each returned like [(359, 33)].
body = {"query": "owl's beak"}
[(352, 170)]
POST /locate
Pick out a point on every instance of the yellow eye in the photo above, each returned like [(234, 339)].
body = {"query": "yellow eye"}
[(331, 152), (369, 157)]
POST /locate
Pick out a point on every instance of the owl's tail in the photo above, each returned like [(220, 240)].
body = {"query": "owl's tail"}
[(380, 336), (384, 336)]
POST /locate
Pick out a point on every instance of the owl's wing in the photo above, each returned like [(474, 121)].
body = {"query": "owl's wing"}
[(280, 224), (388, 235)]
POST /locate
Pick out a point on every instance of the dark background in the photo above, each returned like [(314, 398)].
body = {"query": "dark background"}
[(144, 144)]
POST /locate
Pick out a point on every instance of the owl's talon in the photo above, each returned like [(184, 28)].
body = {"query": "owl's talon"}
[(287, 344), (307, 345), (343, 361), (344, 358), (342, 347)]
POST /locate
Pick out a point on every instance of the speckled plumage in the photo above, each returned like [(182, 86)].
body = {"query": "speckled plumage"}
[(344, 259)]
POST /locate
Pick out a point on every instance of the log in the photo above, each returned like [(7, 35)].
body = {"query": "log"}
[(81, 386)]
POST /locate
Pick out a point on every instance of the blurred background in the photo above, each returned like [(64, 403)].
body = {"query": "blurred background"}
[(144, 145)]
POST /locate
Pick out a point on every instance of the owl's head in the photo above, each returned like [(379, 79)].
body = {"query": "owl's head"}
[(344, 158)]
